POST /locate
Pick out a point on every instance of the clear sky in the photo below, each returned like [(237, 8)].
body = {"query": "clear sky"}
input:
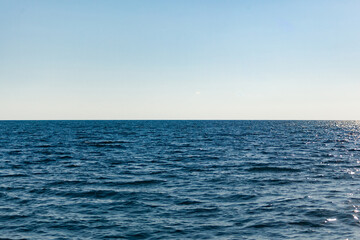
[(179, 59)]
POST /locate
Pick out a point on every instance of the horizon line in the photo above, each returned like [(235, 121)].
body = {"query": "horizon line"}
[(179, 120)]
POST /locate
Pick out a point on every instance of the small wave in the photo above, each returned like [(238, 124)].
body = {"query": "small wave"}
[(11, 188), (306, 223), (142, 235), (283, 181), (46, 160), (195, 169), (39, 190), (45, 146), (72, 166), (106, 141), (273, 169), (178, 151), (67, 183), (101, 144), (91, 194), (188, 202), (203, 210), (135, 183), (12, 217), (65, 157), (14, 175), (14, 152), (116, 236), (237, 197), (181, 145), (267, 225), (322, 213), (354, 150), (128, 133), (69, 226)]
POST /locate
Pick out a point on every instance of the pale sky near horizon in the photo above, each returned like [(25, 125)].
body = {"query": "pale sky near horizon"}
[(180, 59)]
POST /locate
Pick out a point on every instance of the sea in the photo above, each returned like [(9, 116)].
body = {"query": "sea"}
[(179, 180)]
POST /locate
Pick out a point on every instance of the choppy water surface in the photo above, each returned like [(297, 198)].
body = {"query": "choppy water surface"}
[(179, 179)]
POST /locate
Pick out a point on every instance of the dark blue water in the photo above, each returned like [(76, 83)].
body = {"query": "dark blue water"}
[(179, 179)]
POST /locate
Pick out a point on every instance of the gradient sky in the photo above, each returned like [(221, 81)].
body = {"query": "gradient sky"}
[(179, 59)]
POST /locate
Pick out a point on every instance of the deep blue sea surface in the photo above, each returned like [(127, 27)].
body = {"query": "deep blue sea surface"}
[(179, 180)]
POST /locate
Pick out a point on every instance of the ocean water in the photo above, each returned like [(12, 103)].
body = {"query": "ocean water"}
[(179, 180)]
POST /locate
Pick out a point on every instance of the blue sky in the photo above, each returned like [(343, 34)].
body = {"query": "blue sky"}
[(179, 59)]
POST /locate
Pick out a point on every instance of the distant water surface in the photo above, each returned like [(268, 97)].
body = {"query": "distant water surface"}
[(179, 180)]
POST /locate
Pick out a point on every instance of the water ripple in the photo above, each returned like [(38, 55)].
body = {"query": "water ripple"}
[(179, 179)]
